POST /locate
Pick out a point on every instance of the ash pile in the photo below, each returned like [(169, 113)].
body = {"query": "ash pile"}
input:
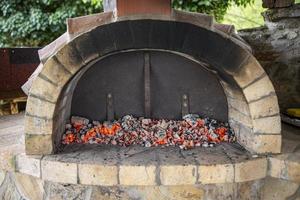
[(192, 131)]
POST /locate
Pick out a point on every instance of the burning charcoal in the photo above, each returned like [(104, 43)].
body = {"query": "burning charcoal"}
[(96, 123), (205, 144), (147, 144), (191, 119), (79, 120), (68, 126), (188, 133)]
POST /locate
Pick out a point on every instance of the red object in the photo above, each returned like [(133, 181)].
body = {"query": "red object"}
[(16, 66), (135, 7)]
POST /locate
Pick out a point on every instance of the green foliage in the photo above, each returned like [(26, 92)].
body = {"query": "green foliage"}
[(245, 17), (38, 22), (217, 8)]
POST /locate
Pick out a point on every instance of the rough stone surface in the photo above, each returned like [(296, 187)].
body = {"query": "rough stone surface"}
[(267, 125), (239, 105), (251, 170), (260, 144), (2, 176), (276, 46), (264, 107), (45, 89), (177, 175), (59, 171), (276, 189), (40, 107), (216, 174), (90, 174), (286, 166), (70, 58), (30, 165), (250, 190), (34, 125), (164, 192), (137, 175), (250, 71), (29, 187), (258, 89), (38, 144), (239, 117)]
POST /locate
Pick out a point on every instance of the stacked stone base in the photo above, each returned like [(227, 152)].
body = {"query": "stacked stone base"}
[(21, 186)]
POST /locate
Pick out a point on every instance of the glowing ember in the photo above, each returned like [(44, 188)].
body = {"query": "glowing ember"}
[(187, 133)]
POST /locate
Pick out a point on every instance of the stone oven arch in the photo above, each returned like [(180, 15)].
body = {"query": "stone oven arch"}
[(252, 102)]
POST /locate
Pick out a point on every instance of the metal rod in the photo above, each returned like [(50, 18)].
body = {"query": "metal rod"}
[(185, 108), (147, 84), (110, 115)]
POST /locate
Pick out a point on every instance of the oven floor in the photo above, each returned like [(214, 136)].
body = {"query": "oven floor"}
[(137, 155)]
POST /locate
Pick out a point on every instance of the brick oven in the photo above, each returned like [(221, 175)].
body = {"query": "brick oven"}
[(184, 78), (145, 59)]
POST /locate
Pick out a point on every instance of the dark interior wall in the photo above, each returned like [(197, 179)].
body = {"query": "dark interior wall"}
[(171, 77)]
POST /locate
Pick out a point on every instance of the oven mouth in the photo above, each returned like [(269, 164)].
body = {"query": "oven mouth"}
[(67, 84)]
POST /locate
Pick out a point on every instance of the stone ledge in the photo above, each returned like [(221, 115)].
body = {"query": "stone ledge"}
[(99, 170), (65, 168)]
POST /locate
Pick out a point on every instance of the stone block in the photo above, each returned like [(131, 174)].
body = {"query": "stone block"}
[(250, 190), (34, 125), (2, 176), (91, 174), (45, 89), (7, 161), (52, 48), (251, 170), (260, 144), (86, 46), (247, 73), (40, 108), (30, 165), (267, 125), (275, 188), (211, 174), (239, 117), (285, 168), (239, 105), (69, 57), (259, 89), (29, 186), (178, 175), (38, 144), (181, 192), (61, 172), (54, 71), (137, 175), (232, 92), (264, 107)]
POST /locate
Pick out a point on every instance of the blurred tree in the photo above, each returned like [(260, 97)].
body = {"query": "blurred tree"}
[(217, 8), (245, 17), (38, 22)]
